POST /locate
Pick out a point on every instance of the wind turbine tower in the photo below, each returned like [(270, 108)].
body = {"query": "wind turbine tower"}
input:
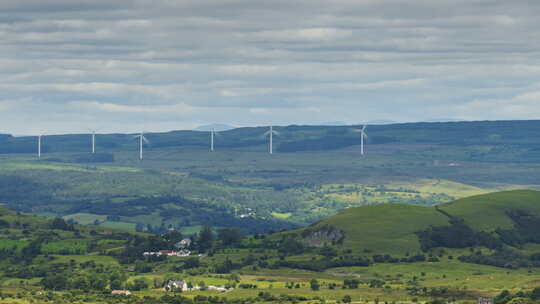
[(39, 147), (271, 134), (271, 140), (142, 140), (93, 141), (212, 140), (363, 135)]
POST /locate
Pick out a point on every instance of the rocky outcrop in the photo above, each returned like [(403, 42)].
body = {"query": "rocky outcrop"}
[(322, 235)]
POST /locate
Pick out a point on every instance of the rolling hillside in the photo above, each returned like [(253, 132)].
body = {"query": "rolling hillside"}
[(393, 228), (488, 212)]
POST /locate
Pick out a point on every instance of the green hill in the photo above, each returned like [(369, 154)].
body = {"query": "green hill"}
[(388, 228), (394, 228), (488, 212)]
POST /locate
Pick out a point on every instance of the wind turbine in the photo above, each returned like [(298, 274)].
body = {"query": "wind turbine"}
[(213, 136), (212, 132), (142, 140), (93, 140), (271, 133), (363, 135), (39, 146)]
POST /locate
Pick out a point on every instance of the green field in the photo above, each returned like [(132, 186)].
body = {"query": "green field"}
[(421, 213), (85, 257)]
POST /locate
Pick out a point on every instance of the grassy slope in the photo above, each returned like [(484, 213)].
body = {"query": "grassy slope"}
[(390, 228), (387, 228), (487, 212)]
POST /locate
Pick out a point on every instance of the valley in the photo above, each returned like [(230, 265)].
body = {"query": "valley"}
[(416, 219)]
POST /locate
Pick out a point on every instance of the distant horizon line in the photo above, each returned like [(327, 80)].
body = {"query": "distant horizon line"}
[(232, 127)]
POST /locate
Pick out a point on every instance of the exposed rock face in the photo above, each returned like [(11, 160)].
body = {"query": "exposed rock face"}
[(323, 235)]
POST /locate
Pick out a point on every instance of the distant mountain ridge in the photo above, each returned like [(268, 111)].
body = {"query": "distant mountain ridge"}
[(215, 127), (524, 136)]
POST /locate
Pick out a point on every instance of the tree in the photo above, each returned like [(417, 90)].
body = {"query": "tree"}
[(535, 293), (314, 285), (205, 239), (54, 282), (225, 267), (230, 236), (351, 283), (60, 224), (192, 262), (29, 252), (376, 283), (328, 252), (4, 224), (173, 237), (347, 299), (290, 245), (139, 284), (116, 284)]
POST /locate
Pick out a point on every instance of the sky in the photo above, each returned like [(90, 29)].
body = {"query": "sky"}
[(67, 66)]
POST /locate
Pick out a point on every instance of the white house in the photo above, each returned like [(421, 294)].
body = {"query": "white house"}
[(174, 285)]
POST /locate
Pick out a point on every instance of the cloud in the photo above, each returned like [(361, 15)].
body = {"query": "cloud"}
[(296, 35), (178, 109), (65, 63), (524, 106)]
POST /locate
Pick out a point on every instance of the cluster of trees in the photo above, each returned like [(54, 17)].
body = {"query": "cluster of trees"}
[(386, 258), (520, 297), (460, 235), (95, 297), (84, 281), (526, 228), (456, 235), (504, 257), (206, 241), (434, 292), (323, 263)]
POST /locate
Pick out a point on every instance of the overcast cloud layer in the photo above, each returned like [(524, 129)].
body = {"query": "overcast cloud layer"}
[(69, 65)]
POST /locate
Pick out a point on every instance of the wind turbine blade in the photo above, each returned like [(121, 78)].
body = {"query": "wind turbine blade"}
[(145, 140)]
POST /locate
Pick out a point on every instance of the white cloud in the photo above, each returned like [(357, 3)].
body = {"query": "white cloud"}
[(241, 61), (180, 109), (305, 34)]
